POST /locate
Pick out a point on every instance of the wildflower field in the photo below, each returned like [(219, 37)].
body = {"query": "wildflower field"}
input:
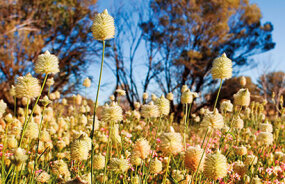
[(50, 139)]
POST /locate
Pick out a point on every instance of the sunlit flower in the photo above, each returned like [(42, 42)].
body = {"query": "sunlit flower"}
[(237, 123), (163, 105), (215, 166), (242, 97), (222, 67), (43, 177), (112, 113), (87, 82), (265, 138), (142, 148), (170, 143), (103, 27), (213, 120), (79, 149), (149, 110), (119, 165), (47, 64), (99, 162), (193, 156), (3, 107), (169, 96), (226, 106), (27, 86), (155, 166)]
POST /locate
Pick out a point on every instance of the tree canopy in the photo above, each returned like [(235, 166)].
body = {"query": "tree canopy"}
[(192, 33), (29, 27)]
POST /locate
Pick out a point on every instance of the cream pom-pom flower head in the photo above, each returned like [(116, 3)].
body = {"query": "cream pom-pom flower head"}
[(242, 97), (222, 67), (79, 149), (142, 148), (171, 143), (193, 155), (47, 64), (213, 120), (119, 165), (163, 105), (149, 110), (87, 82), (27, 86), (155, 166), (3, 107), (112, 113), (103, 27), (215, 166)]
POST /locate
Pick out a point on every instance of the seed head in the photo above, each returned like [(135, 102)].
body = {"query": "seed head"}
[(103, 27), (27, 86), (242, 97), (163, 105), (155, 166), (222, 67), (193, 156), (112, 113), (149, 110), (215, 166), (47, 64)]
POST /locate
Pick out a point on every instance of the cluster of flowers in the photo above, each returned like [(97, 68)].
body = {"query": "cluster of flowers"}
[(50, 142)]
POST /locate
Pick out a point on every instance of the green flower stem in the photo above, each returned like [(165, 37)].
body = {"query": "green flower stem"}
[(15, 106), (94, 112), (166, 172), (37, 148), (189, 112), (25, 123), (210, 136), (3, 154), (186, 126), (218, 94)]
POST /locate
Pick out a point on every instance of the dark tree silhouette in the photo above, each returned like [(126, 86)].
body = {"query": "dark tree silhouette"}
[(192, 33)]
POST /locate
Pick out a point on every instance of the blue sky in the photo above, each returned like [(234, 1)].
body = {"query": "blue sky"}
[(272, 10)]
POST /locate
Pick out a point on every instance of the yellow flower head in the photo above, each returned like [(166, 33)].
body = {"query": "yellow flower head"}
[(155, 166), (27, 86), (87, 82), (119, 165), (163, 105), (193, 156), (215, 166), (112, 113), (103, 27), (46, 64), (149, 110), (99, 162), (222, 67), (142, 148), (242, 97), (213, 120)]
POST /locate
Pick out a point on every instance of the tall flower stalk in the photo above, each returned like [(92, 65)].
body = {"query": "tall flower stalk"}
[(94, 112), (103, 29), (221, 69)]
